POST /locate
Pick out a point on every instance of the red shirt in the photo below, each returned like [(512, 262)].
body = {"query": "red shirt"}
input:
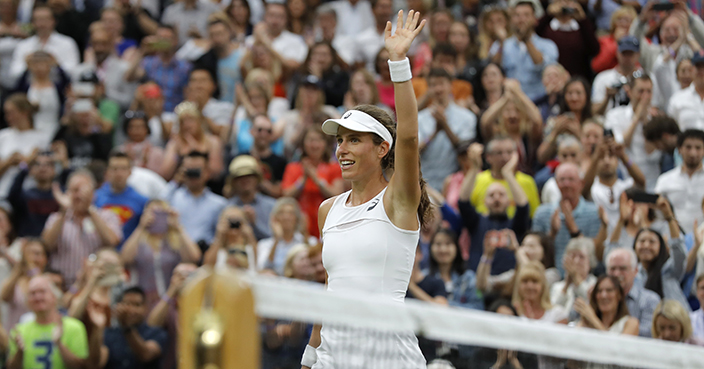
[(311, 198)]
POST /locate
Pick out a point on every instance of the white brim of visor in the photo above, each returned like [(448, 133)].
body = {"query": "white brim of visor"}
[(358, 121)]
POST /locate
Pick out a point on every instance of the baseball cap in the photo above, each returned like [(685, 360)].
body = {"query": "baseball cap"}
[(698, 58), (244, 165), (358, 121), (628, 43)]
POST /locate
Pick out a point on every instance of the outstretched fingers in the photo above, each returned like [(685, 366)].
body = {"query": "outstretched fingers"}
[(399, 20), (409, 20), (387, 30)]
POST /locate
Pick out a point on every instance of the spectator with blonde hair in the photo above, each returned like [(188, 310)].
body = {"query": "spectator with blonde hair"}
[(531, 295), (286, 224), (297, 264), (156, 247), (191, 136), (621, 21), (671, 322)]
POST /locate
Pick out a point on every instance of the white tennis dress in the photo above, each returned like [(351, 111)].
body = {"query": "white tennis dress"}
[(364, 251)]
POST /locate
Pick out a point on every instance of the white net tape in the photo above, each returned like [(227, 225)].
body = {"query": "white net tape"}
[(280, 298)]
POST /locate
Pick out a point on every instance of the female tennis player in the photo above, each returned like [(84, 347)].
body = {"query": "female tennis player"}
[(371, 232)]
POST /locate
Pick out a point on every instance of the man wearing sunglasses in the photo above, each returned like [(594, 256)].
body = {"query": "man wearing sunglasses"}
[(263, 149)]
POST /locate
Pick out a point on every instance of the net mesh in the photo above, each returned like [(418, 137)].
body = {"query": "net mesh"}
[(369, 332)]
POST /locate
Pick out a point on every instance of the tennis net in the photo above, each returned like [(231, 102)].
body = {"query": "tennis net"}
[(463, 338)]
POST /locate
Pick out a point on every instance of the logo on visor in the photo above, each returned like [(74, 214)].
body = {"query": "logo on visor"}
[(347, 115)]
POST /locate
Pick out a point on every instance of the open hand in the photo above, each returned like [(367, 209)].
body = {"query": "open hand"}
[(398, 44), (62, 198)]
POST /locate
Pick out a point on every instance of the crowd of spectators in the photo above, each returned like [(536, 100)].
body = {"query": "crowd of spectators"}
[(562, 142)]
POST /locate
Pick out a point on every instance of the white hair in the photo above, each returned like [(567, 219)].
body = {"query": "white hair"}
[(631, 254)]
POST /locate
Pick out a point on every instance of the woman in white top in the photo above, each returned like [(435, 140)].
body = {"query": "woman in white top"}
[(371, 232), (606, 311), (20, 141), (577, 263)]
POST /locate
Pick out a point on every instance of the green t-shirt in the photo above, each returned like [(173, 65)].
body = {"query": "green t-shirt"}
[(40, 352)]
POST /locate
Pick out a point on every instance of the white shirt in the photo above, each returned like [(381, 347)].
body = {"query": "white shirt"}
[(63, 48), (23, 142), (619, 119), (155, 137), (146, 182), (288, 45), (603, 80), (685, 194), (570, 26), (46, 119), (687, 108), (220, 112), (609, 198), (353, 19)]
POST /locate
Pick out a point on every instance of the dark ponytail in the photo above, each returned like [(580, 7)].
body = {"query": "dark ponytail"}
[(425, 211)]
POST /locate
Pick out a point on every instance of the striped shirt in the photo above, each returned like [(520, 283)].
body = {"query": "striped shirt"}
[(171, 77), (77, 242)]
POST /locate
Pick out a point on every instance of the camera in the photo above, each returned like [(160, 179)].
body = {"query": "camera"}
[(620, 83), (193, 173), (608, 132), (235, 224), (568, 11)]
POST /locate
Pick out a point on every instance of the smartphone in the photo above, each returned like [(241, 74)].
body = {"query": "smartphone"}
[(664, 6), (608, 133), (646, 198)]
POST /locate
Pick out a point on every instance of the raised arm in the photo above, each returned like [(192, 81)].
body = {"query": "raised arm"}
[(404, 187)]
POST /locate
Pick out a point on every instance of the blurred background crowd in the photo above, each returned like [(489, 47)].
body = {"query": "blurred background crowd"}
[(142, 139)]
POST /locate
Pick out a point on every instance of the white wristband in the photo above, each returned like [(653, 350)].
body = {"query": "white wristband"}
[(309, 356), (400, 70)]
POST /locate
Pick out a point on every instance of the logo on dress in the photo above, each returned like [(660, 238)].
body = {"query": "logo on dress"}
[(347, 115), (375, 201)]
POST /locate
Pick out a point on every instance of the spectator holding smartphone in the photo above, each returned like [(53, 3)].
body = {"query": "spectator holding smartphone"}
[(157, 246), (234, 235)]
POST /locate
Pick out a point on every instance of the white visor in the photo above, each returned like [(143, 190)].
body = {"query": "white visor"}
[(358, 121)]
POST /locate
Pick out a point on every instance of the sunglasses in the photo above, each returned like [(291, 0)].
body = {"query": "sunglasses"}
[(267, 130), (135, 114)]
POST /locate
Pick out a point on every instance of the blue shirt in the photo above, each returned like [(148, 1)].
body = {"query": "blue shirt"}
[(464, 291), (171, 77), (120, 354), (229, 74), (245, 139), (641, 305), (519, 65), (198, 214), (128, 205), (586, 215), (439, 158), (263, 205)]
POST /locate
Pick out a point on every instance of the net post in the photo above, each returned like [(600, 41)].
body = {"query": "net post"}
[(218, 325)]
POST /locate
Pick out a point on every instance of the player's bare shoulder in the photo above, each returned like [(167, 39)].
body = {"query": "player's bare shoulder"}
[(323, 211)]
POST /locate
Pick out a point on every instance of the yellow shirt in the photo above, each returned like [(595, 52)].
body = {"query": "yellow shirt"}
[(484, 179)]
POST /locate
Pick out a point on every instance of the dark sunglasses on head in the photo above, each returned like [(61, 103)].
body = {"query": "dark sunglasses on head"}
[(267, 130)]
